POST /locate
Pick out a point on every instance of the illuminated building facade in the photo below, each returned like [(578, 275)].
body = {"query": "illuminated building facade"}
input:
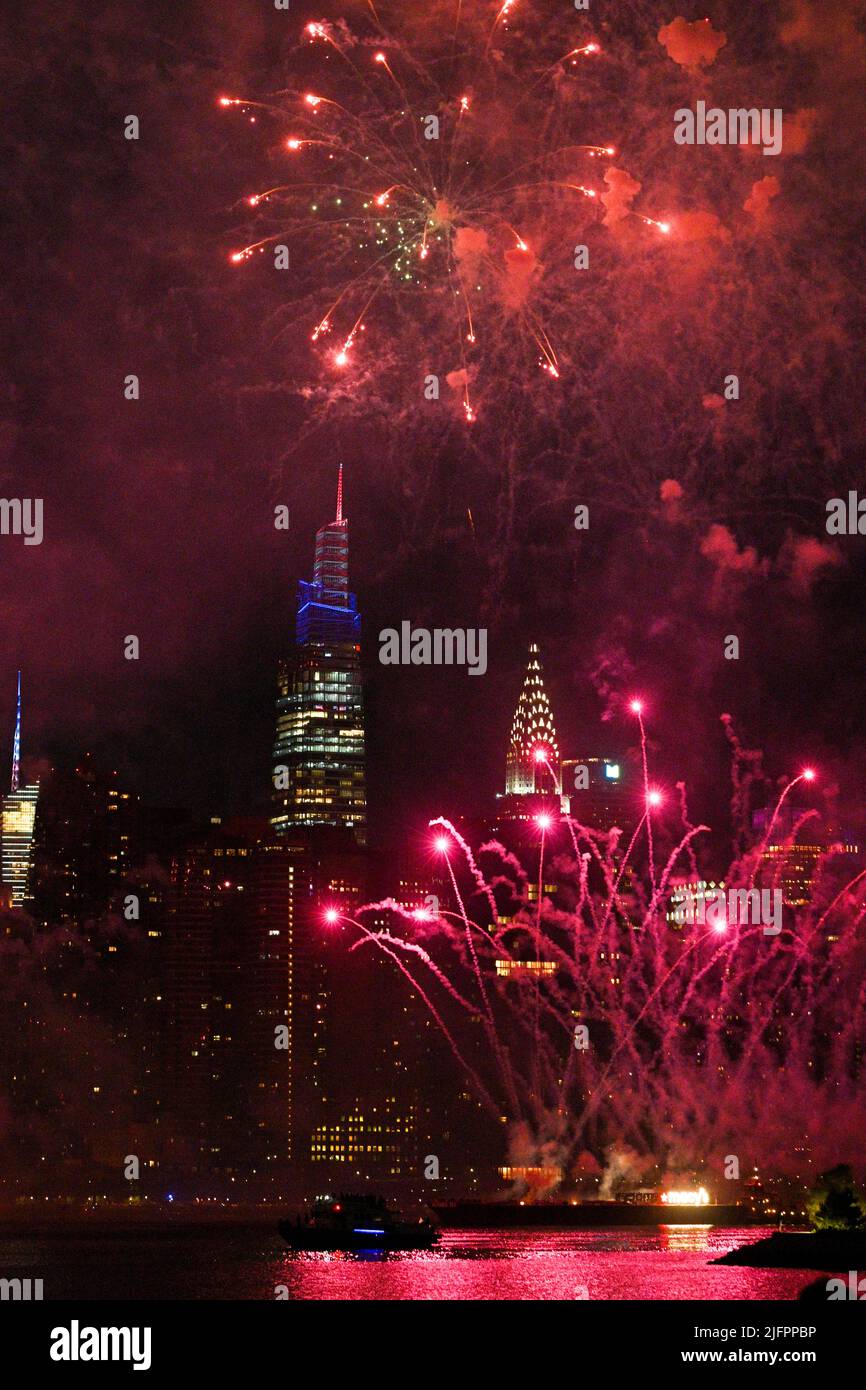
[(792, 868), (17, 821), (687, 903), (276, 968), (373, 1062), (319, 761), (252, 1001), (532, 732), (205, 1076), (514, 969), (19, 818), (377, 1142), (796, 845), (297, 1002), (598, 792), (538, 1179)]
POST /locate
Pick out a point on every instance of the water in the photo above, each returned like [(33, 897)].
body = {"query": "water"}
[(249, 1262)]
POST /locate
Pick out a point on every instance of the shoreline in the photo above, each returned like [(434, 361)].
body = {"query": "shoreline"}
[(824, 1250)]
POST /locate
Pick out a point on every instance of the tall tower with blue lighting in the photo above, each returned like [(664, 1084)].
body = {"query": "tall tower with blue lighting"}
[(319, 760), (17, 822)]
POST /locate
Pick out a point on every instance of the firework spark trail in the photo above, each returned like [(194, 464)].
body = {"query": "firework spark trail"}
[(470, 945), (684, 818), (843, 892), (756, 857), (789, 787), (501, 1053), (480, 880), (537, 948), (605, 862), (533, 1098), (584, 902), (692, 1048), (614, 891), (745, 766), (490, 1021), (449, 228), (389, 905), (385, 942), (650, 917), (779, 993), (476, 927), (637, 708), (802, 948)]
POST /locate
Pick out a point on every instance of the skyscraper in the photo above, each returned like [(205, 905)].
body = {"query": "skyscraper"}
[(533, 785), (16, 823), (319, 774), (599, 792), (86, 840), (797, 841), (532, 733), (205, 1074)]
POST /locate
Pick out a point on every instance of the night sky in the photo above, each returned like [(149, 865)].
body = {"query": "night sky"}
[(707, 516)]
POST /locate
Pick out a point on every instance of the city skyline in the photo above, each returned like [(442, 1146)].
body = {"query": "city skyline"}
[(231, 774), (162, 508), (433, 540), (234, 971)]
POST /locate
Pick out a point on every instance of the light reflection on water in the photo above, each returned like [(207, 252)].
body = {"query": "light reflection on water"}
[(667, 1263), (672, 1262)]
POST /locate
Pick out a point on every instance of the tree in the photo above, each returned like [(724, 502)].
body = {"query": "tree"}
[(835, 1203)]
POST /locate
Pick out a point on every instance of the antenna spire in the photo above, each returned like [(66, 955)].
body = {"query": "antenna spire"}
[(16, 743), (340, 494)]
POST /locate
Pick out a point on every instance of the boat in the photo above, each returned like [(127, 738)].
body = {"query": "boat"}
[(352, 1221), (478, 1214)]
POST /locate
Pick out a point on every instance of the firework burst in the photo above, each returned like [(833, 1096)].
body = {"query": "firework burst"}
[(699, 1040), (437, 180)]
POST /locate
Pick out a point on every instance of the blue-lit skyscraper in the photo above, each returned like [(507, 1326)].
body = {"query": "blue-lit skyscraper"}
[(319, 776)]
